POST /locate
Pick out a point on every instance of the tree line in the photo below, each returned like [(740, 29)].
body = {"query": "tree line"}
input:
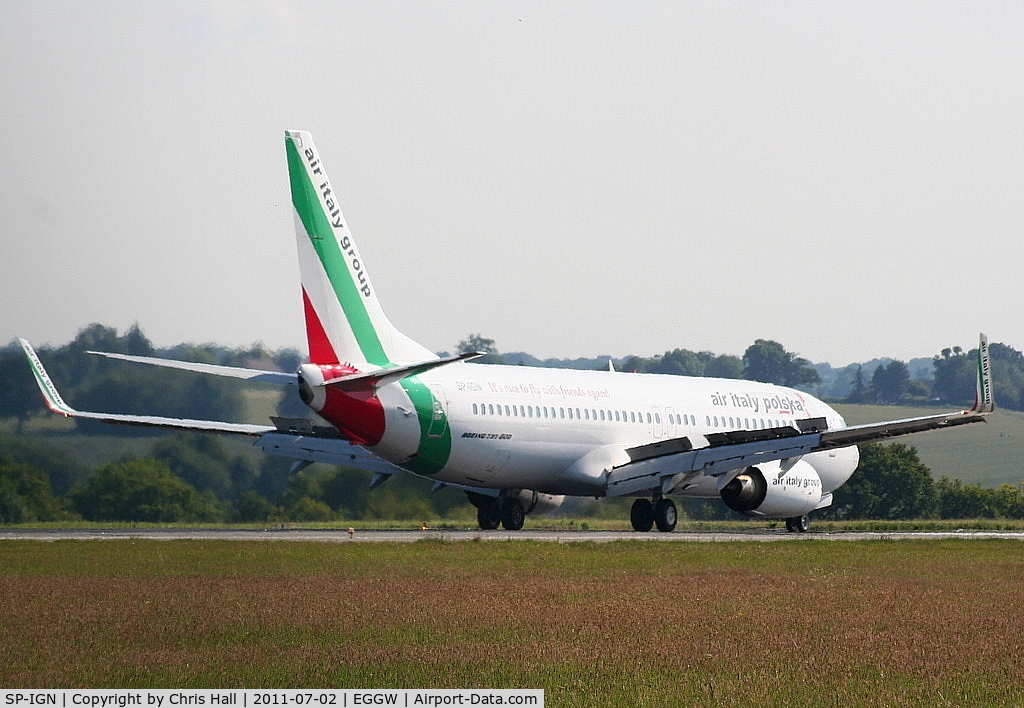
[(192, 477)]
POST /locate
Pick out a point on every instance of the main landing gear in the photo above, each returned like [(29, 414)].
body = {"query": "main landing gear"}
[(646, 514), (492, 512), (798, 524)]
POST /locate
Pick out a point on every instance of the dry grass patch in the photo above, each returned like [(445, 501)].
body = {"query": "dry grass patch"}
[(800, 623)]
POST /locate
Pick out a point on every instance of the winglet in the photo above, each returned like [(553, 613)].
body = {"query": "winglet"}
[(53, 400), (983, 401)]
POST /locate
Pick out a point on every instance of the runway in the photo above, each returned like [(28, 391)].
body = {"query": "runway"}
[(455, 536)]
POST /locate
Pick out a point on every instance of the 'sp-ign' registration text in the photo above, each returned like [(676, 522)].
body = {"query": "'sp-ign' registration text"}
[(250, 698)]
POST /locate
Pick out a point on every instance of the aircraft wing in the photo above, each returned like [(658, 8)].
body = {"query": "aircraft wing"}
[(56, 404), (873, 432), (668, 465), (295, 438)]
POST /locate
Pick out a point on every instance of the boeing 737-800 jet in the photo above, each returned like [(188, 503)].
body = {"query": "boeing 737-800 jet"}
[(519, 439)]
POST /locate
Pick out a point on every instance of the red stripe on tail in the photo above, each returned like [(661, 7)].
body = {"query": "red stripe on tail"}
[(320, 349)]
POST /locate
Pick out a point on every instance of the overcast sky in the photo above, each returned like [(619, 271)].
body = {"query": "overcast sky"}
[(569, 179)]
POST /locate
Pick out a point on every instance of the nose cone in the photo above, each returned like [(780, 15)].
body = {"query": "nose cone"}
[(835, 466)]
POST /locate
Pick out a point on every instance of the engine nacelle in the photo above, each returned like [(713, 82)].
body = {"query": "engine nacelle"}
[(540, 503), (533, 502), (765, 491)]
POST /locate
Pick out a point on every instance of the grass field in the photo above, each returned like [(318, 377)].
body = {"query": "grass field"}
[(803, 623)]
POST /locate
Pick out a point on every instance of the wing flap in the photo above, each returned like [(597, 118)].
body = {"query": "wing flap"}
[(656, 472), (331, 451)]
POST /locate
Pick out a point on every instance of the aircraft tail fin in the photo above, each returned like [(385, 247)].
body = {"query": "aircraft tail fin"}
[(344, 318), (983, 399)]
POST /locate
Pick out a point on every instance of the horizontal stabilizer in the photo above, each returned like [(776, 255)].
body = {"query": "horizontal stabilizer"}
[(235, 372), (372, 380)]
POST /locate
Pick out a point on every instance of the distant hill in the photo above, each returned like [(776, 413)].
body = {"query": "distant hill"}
[(836, 383), (599, 362)]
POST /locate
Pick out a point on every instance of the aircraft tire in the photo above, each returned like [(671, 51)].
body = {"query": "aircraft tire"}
[(798, 524), (641, 515), (512, 514), (488, 514), (665, 515)]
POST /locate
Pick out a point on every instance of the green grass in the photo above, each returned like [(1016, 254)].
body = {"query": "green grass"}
[(625, 623)]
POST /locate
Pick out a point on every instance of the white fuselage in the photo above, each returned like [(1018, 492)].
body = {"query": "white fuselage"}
[(560, 431)]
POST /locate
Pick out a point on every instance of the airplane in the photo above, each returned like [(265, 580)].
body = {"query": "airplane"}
[(519, 440)]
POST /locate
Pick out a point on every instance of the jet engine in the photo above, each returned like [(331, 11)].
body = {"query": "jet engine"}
[(767, 490), (540, 503)]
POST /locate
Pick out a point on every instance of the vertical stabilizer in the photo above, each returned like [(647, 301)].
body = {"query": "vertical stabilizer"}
[(344, 319), (983, 399)]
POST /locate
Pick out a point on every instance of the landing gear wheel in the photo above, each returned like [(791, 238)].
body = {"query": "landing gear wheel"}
[(488, 514), (642, 515), (798, 524), (512, 514), (665, 515)]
